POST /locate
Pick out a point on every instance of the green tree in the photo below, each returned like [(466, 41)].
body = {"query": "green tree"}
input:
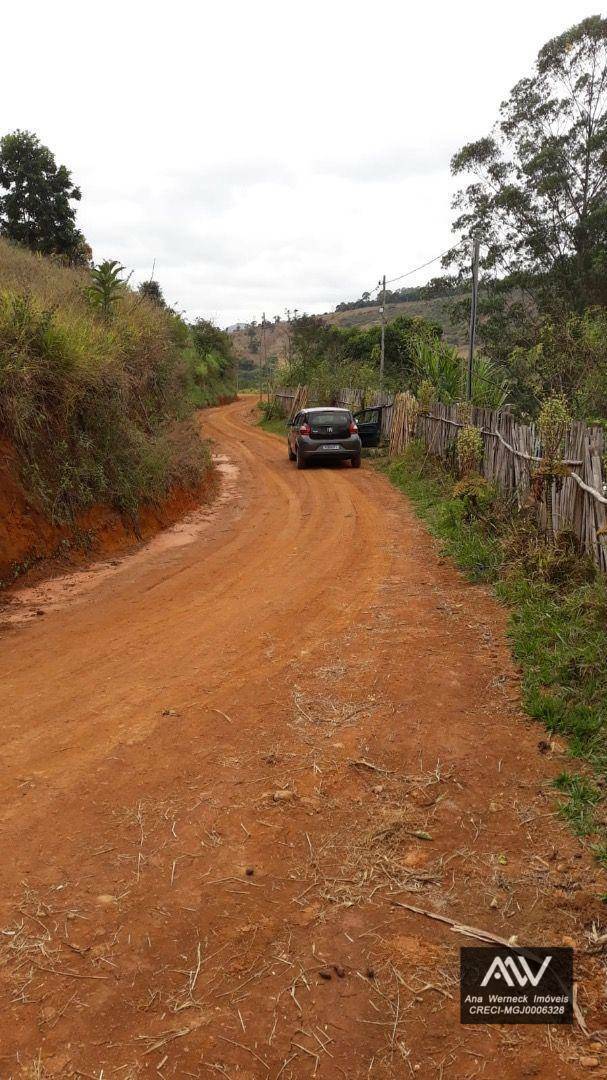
[(208, 340), (538, 198), (36, 207), (567, 358), (212, 362), (152, 291), (252, 336)]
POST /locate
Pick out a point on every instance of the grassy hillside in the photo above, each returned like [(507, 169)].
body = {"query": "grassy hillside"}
[(95, 411), (435, 310)]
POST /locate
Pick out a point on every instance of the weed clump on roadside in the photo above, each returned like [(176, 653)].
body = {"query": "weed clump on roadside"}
[(270, 410), (472, 488), (529, 554), (469, 450), (271, 418), (554, 421)]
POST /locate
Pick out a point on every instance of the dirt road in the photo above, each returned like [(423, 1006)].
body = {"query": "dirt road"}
[(216, 756)]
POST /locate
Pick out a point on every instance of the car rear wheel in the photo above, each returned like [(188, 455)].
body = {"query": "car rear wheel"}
[(301, 461), (356, 461), (291, 454)]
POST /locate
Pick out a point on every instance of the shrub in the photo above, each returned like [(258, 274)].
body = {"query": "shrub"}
[(426, 394), (270, 410), (475, 494), (470, 448), (528, 554), (554, 422)]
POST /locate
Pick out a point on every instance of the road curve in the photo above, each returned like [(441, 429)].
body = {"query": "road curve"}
[(226, 756)]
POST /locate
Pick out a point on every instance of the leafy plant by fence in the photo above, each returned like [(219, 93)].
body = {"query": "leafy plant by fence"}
[(512, 455)]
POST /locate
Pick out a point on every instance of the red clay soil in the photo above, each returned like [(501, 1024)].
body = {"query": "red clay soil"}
[(165, 911), (29, 542)]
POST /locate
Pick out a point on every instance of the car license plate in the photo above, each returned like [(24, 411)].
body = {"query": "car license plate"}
[(330, 446)]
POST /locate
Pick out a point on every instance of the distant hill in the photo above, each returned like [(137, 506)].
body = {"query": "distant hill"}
[(250, 358), (276, 334), (435, 310)]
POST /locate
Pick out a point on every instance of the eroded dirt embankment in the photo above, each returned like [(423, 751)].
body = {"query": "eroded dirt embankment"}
[(32, 546)]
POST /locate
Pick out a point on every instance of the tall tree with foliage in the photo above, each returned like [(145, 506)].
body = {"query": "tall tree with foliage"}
[(538, 198), (36, 197), (209, 340), (251, 332)]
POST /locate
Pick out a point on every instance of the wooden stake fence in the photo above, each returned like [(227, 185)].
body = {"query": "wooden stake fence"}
[(402, 428), (511, 451)]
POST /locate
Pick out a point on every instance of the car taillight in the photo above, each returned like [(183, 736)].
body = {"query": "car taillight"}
[(353, 429), (305, 429)]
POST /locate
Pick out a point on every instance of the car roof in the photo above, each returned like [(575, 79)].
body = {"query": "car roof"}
[(327, 408)]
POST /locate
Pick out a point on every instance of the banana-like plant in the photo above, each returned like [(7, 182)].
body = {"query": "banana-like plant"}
[(441, 364), (106, 286)]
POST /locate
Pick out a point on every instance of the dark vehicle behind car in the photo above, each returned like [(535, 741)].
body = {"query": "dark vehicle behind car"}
[(323, 433)]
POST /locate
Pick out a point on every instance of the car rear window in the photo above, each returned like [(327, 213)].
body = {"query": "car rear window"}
[(330, 418)]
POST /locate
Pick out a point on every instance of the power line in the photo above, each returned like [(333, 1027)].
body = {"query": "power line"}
[(409, 273), (464, 240), (415, 270)]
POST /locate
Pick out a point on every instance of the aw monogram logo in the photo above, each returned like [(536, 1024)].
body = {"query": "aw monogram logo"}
[(514, 971), (516, 986)]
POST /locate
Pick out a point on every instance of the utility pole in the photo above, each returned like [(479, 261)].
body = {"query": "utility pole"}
[(288, 314), (473, 305), (382, 312), (264, 351)]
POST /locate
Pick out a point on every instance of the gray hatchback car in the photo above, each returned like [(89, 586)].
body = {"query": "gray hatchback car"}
[(324, 432)]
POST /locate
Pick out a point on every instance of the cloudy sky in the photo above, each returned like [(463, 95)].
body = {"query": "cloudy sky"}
[(266, 153)]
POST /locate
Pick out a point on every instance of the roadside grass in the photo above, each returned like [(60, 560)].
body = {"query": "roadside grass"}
[(578, 807), (557, 625), (275, 427), (269, 420)]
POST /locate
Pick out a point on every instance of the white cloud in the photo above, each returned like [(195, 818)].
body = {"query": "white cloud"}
[(266, 155)]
